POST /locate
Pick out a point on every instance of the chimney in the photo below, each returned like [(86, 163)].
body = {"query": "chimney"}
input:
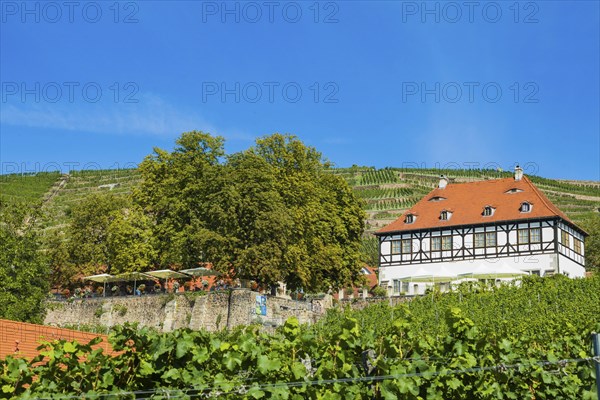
[(518, 173), (443, 182)]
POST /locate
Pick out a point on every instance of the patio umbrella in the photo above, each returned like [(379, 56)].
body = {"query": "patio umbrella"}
[(166, 274), (101, 278), (437, 274), (133, 276), (433, 275), (200, 271), (492, 271)]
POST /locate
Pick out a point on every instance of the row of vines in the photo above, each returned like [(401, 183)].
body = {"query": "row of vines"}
[(527, 342)]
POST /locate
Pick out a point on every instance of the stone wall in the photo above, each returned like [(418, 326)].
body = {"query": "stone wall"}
[(213, 311)]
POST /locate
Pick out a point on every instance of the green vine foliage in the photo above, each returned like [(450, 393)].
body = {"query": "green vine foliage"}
[(437, 347)]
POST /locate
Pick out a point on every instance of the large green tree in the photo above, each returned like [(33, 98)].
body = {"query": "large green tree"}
[(173, 194), (63, 272), (271, 213), (130, 241), (88, 231), (24, 273)]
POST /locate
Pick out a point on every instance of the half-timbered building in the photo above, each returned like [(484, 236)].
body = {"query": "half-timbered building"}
[(458, 226)]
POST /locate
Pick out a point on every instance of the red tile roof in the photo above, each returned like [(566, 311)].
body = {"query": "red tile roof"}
[(20, 339), (467, 201)]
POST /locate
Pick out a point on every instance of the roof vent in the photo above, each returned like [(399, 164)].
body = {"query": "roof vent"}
[(518, 173), (443, 182)]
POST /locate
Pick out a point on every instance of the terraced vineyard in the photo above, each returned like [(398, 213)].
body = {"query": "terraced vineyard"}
[(27, 188), (386, 193), (80, 184)]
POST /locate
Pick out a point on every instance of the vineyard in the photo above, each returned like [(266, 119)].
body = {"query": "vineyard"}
[(511, 342), (27, 188), (386, 193)]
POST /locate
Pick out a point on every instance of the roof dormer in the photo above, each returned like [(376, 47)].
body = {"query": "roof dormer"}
[(410, 218), (445, 215), (513, 190), (488, 211), (437, 198), (526, 207)]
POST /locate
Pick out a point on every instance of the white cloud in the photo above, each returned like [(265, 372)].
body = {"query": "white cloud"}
[(150, 116)]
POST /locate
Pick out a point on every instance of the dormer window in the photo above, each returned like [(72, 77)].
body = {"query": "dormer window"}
[(488, 211), (525, 207), (445, 215), (514, 190), (437, 198), (410, 218)]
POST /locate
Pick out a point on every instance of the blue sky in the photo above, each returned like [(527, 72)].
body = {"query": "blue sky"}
[(436, 84)]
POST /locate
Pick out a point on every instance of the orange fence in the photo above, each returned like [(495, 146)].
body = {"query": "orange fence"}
[(22, 339)]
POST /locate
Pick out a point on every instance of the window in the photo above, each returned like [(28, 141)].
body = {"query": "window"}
[(523, 236), (436, 244), (437, 198), (490, 239), (406, 246), (410, 218), (446, 242), (525, 207), (479, 240), (403, 246), (404, 288), (487, 239), (533, 235), (578, 246), (397, 286), (444, 215), (488, 211), (564, 238), (396, 246)]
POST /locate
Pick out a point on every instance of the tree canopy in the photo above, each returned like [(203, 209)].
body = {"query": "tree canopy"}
[(24, 273), (89, 231), (271, 213)]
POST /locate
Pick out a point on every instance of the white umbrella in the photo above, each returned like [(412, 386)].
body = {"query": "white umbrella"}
[(166, 274), (437, 274), (200, 271), (102, 278), (433, 275), (492, 271), (133, 276)]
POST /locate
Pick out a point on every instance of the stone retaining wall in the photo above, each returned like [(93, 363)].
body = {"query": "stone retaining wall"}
[(213, 311)]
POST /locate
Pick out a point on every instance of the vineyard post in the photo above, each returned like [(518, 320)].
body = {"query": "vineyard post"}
[(596, 345)]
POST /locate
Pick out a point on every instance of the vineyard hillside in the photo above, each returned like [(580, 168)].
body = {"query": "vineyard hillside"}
[(386, 193)]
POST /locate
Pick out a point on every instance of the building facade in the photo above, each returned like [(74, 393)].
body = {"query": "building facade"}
[(504, 223)]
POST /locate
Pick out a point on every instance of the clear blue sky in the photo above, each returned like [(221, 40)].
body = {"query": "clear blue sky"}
[(367, 83)]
